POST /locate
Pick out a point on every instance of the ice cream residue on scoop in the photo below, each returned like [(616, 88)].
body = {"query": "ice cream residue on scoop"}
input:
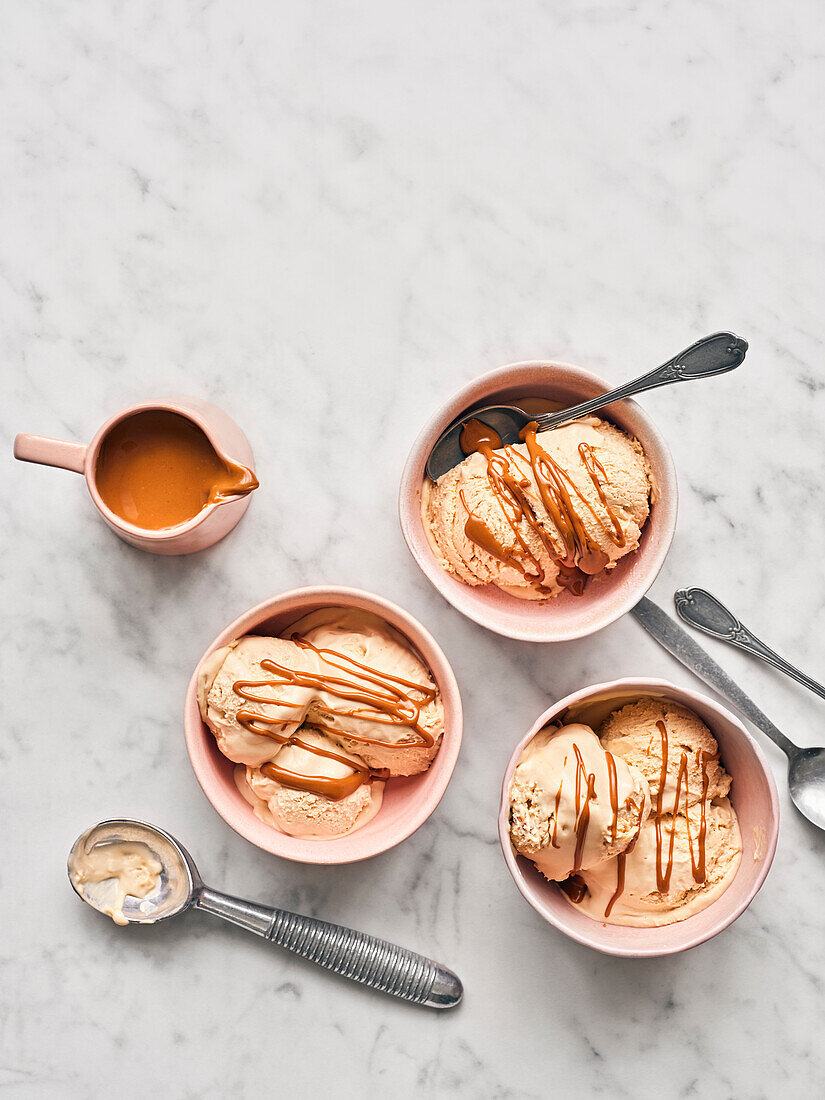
[(123, 868)]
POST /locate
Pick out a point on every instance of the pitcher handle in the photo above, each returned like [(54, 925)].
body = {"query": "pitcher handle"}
[(51, 452)]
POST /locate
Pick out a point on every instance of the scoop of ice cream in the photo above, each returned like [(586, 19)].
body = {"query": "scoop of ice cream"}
[(343, 687), (240, 664), (366, 642), (641, 902), (360, 655), (446, 507), (303, 813), (567, 811), (623, 475), (633, 734)]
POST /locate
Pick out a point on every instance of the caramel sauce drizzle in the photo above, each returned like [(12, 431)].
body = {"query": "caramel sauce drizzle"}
[(476, 434), (515, 506), (621, 863), (698, 863), (578, 550), (697, 856), (321, 784), (376, 696), (583, 800), (614, 793), (553, 840), (577, 556), (575, 887), (621, 860), (595, 469)]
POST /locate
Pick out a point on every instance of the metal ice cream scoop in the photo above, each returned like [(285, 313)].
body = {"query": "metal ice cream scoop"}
[(714, 354), (354, 955)]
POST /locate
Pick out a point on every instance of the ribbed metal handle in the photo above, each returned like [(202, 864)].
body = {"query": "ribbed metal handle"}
[(354, 955), (365, 959)]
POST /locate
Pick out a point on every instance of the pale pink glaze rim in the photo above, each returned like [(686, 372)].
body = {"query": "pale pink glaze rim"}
[(408, 802), (546, 897), (607, 598), (165, 534)]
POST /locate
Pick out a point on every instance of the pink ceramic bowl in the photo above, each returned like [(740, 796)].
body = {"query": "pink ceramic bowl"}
[(606, 598), (753, 796), (407, 802)]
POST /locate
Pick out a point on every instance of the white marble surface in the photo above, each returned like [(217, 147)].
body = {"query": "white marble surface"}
[(326, 217)]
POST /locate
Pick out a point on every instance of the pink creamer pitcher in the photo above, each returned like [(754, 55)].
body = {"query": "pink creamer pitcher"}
[(214, 520)]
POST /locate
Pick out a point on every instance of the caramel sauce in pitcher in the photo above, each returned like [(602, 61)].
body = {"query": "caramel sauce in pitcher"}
[(158, 469)]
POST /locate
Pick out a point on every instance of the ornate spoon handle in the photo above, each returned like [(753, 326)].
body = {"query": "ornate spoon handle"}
[(678, 642), (712, 355), (355, 955), (704, 611)]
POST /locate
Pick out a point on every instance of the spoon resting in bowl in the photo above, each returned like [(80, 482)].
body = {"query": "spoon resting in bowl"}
[(712, 355)]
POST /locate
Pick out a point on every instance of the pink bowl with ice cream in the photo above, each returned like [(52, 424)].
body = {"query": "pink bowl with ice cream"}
[(407, 802), (606, 597), (752, 795)]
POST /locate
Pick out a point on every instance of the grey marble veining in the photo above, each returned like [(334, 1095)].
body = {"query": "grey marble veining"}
[(326, 217)]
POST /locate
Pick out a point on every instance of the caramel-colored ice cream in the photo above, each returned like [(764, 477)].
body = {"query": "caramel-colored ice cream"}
[(321, 719), (642, 902), (121, 868), (302, 812), (572, 805), (540, 516), (633, 733), (685, 847)]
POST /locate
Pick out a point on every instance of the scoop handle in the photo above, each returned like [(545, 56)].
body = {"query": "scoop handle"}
[(355, 955), (51, 452)]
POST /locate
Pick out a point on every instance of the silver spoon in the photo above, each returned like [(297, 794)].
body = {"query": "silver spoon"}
[(806, 767), (714, 354), (354, 955), (699, 608)]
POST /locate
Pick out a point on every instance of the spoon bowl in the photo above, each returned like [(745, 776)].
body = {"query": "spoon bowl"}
[(505, 420), (806, 780), (179, 878), (806, 767)]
